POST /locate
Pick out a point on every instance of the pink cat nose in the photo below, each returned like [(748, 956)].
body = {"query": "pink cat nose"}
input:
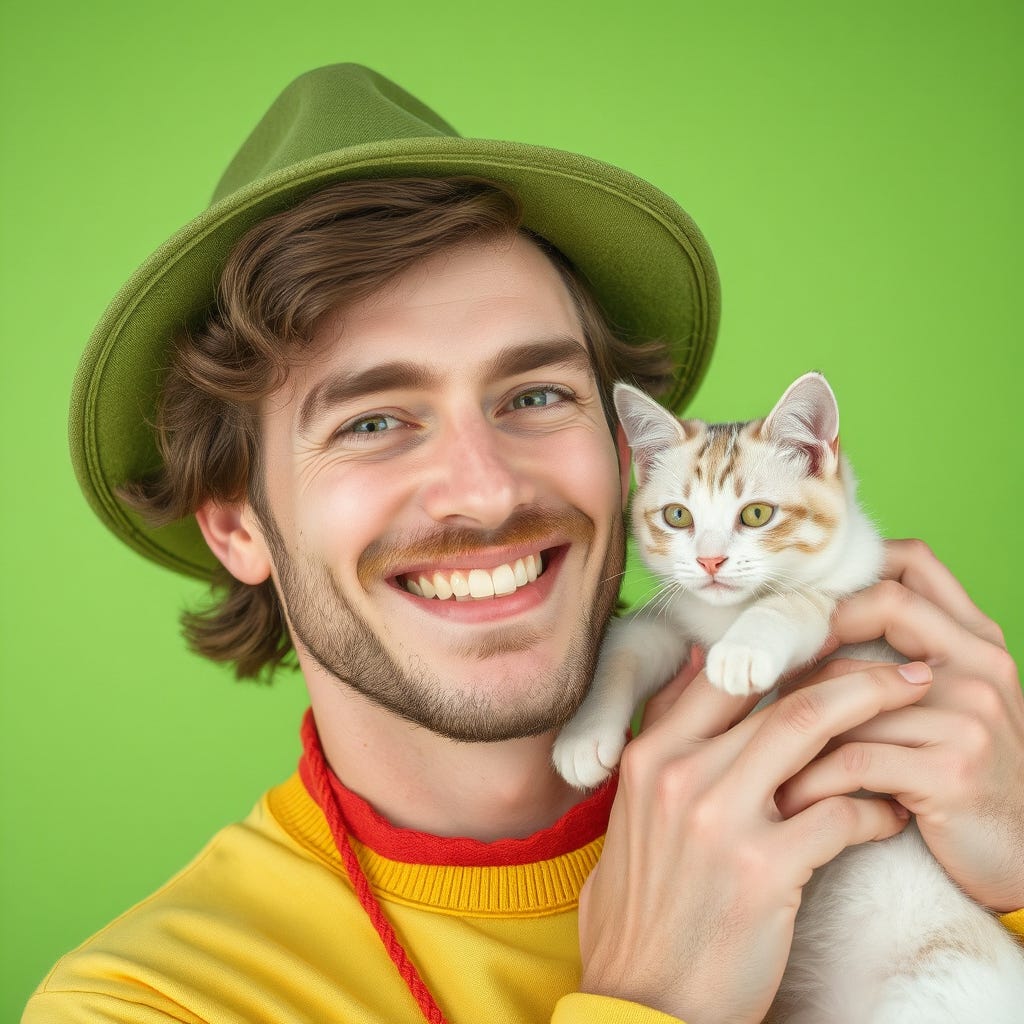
[(712, 565)]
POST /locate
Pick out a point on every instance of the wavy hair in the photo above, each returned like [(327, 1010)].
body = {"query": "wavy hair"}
[(284, 276)]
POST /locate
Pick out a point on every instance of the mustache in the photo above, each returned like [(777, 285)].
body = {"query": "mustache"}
[(535, 526)]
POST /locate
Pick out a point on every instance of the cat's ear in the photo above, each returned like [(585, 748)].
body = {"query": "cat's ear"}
[(649, 427), (806, 418)]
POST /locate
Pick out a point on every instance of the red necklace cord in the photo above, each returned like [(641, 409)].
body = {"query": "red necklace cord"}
[(329, 804)]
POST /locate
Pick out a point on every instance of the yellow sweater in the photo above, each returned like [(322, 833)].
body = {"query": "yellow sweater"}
[(264, 927)]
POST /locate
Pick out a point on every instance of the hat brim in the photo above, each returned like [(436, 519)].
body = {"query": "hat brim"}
[(643, 256)]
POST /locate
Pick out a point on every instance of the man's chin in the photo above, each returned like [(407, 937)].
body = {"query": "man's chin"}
[(521, 646), (505, 689)]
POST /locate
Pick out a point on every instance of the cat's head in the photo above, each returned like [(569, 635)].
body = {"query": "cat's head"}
[(733, 510)]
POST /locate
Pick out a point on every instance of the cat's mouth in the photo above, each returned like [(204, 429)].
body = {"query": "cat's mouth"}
[(716, 584), (475, 584)]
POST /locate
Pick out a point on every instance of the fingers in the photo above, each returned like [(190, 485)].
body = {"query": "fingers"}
[(876, 767), (782, 739), (689, 707), (828, 827), (667, 696), (831, 669), (910, 623), (912, 563), (701, 711)]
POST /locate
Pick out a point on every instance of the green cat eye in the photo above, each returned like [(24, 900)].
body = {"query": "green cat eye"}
[(756, 514), (677, 517)]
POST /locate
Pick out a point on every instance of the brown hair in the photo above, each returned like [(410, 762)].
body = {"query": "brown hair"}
[(335, 248)]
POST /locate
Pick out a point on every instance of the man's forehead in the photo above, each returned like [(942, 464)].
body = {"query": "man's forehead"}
[(485, 308)]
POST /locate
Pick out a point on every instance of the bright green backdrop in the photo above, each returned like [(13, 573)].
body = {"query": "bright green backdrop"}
[(857, 167)]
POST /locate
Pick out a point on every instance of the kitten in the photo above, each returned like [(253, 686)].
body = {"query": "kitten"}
[(755, 531)]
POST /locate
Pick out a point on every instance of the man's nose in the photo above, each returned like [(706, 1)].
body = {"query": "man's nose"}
[(475, 480)]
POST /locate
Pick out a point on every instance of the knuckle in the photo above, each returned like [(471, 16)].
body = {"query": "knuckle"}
[(800, 711), (672, 781), (987, 629), (635, 762), (965, 761), (1004, 666), (879, 677), (893, 593), (841, 815), (840, 667), (975, 741), (918, 550), (982, 699), (855, 759)]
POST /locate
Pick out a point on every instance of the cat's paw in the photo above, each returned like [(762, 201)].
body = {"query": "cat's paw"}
[(585, 757), (741, 669)]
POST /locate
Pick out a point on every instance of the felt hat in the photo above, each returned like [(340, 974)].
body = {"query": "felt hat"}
[(644, 258)]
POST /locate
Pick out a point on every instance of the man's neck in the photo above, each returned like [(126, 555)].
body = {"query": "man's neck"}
[(419, 780)]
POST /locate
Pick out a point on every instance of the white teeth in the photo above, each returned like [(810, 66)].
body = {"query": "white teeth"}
[(503, 580), (460, 585), (476, 584), (480, 583)]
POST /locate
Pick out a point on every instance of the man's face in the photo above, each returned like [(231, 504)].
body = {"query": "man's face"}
[(447, 435)]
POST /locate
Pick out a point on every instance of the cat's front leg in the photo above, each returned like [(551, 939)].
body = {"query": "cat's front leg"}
[(777, 634), (639, 655)]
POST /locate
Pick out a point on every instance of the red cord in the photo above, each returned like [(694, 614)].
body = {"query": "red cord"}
[(328, 803)]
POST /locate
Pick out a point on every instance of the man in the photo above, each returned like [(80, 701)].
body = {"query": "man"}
[(391, 429)]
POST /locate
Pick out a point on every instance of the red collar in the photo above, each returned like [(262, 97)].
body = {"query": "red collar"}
[(581, 825)]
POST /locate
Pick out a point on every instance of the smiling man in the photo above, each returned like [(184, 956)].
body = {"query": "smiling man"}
[(387, 440), (441, 511), (422, 486)]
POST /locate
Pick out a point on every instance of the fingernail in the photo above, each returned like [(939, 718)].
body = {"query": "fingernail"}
[(900, 811), (916, 672)]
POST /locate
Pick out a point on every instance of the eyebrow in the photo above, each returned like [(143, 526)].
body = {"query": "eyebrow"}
[(344, 386)]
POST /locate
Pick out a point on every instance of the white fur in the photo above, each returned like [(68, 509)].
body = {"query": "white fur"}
[(883, 935)]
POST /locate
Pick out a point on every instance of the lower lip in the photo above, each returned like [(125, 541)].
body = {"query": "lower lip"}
[(493, 609)]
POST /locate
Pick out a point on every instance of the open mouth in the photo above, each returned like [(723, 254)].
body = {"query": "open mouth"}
[(477, 584)]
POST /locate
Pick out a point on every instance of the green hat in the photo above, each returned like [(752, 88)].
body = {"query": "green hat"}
[(644, 258)]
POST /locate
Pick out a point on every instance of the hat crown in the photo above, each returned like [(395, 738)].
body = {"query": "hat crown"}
[(332, 108), (642, 256)]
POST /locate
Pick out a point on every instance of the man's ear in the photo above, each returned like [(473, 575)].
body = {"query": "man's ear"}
[(625, 461), (234, 536)]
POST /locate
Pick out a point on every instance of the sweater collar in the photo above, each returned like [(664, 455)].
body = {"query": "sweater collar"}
[(580, 826)]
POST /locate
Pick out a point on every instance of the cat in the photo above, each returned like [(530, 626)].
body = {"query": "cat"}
[(756, 533)]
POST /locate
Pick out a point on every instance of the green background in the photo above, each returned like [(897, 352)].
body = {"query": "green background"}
[(856, 166)]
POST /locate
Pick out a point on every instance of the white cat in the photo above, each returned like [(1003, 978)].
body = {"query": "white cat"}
[(755, 532)]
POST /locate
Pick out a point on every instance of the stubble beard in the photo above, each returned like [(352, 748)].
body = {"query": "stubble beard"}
[(340, 641)]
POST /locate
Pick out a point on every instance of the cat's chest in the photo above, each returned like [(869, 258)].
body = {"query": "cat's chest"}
[(705, 622)]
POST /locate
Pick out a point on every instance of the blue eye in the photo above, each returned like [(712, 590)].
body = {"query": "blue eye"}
[(539, 398)]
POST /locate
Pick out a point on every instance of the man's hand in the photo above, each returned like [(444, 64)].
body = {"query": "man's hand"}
[(956, 758), (720, 818), (691, 907)]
